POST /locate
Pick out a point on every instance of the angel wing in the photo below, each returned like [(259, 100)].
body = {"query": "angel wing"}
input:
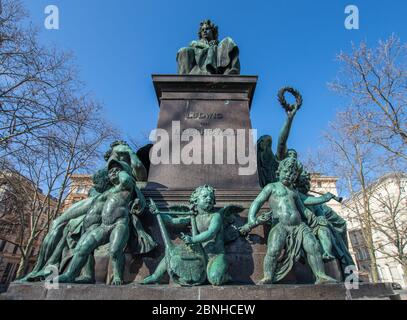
[(267, 163), (229, 214)]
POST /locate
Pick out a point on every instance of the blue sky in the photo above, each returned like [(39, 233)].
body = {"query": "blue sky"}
[(119, 44)]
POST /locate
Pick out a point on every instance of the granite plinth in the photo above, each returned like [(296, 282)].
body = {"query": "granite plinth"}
[(209, 114), (366, 291)]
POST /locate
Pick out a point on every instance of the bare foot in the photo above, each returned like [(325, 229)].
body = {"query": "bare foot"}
[(63, 278), (323, 279), (85, 280), (117, 282), (265, 281), (327, 257), (149, 280)]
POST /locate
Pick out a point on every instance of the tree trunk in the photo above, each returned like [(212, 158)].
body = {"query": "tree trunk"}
[(22, 266), (373, 266)]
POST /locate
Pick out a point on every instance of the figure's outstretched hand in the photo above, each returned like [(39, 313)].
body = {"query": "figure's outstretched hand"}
[(330, 196), (291, 113), (244, 230), (187, 239), (153, 207)]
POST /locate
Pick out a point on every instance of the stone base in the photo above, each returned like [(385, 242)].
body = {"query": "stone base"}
[(366, 291)]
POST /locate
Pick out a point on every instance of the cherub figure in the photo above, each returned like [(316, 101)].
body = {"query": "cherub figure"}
[(211, 232), (328, 227), (114, 225), (291, 233)]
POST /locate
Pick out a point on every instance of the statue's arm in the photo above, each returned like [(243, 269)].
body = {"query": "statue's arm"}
[(283, 138), (138, 167), (259, 202), (126, 182), (308, 215), (78, 209), (314, 201), (171, 221), (214, 227)]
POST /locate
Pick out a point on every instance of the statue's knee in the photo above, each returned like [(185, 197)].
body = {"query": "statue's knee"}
[(82, 251), (186, 51), (215, 277), (273, 252), (323, 232), (311, 245), (116, 254)]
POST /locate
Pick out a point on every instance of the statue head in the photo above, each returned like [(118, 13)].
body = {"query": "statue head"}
[(203, 198), (288, 171), (303, 183), (112, 146), (115, 167), (101, 182), (208, 31), (292, 153)]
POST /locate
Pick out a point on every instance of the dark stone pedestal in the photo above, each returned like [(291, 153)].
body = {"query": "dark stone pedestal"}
[(137, 292), (196, 104)]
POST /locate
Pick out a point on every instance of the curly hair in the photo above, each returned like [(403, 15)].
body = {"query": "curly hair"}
[(291, 164), (112, 146), (213, 26), (195, 195), (303, 183), (101, 181)]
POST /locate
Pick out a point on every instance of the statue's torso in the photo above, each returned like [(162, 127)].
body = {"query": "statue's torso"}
[(283, 205), (94, 215), (116, 206), (214, 245)]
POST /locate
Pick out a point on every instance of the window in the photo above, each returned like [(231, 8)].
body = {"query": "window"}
[(319, 184), (2, 245), (15, 249), (6, 273)]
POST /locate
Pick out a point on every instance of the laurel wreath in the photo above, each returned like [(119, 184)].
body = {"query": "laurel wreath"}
[(295, 93)]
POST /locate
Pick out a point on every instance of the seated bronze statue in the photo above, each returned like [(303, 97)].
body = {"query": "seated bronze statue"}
[(207, 55)]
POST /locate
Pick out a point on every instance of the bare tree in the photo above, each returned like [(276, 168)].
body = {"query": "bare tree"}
[(50, 129), (40, 179), (374, 80), (33, 81), (368, 140), (389, 221), (355, 162)]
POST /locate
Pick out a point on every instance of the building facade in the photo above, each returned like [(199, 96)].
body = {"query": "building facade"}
[(16, 192), (384, 205)]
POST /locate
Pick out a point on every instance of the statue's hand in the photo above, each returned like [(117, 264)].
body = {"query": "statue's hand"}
[(322, 221), (187, 239), (244, 230), (291, 113), (329, 196), (153, 207)]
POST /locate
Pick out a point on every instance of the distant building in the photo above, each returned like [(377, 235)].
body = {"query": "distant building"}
[(79, 189), (387, 199), (11, 206)]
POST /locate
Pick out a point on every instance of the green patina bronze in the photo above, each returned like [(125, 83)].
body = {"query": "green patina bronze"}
[(328, 227), (202, 256), (267, 161), (108, 215), (290, 232), (209, 56)]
